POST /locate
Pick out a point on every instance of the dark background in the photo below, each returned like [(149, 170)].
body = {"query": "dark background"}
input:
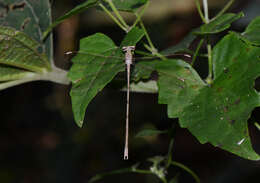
[(40, 142)]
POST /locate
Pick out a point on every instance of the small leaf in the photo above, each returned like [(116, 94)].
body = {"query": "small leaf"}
[(78, 9), (219, 24), (149, 132), (252, 32), (133, 37), (19, 50)]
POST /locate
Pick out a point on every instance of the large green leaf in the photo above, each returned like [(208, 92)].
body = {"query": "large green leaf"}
[(225, 105), (219, 24), (90, 73), (19, 50), (252, 32), (31, 17), (22, 48)]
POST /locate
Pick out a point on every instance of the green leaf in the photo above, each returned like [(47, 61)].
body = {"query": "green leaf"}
[(226, 104), (178, 83), (90, 74), (149, 132), (143, 70), (10, 73), (219, 24), (19, 50), (133, 37), (31, 17), (78, 9), (252, 32)]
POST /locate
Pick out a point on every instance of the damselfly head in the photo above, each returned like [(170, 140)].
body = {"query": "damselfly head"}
[(128, 48)]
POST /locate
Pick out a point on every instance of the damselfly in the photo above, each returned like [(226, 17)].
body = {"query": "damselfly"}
[(114, 61)]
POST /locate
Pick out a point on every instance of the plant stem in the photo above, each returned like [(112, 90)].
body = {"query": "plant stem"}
[(56, 75), (112, 17), (206, 13), (197, 51), (169, 158), (152, 47), (138, 16), (187, 170), (199, 10), (227, 6), (142, 171), (210, 75), (154, 52), (120, 18), (257, 125)]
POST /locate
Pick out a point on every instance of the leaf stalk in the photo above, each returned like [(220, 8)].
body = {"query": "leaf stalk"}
[(112, 17)]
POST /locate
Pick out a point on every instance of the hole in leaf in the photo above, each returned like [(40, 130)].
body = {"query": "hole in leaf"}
[(257, 84), (25, 22), (16, 6)]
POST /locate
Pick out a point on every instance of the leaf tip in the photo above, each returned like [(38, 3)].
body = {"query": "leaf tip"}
[(80, 123)]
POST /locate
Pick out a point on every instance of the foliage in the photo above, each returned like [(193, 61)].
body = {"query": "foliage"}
[(219, 104), (25, 56)]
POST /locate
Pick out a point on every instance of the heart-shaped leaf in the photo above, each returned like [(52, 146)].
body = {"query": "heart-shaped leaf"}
[(90, 73)]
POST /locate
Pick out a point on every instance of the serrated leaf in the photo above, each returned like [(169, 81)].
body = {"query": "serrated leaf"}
[(19, 50), (149, 132), (90, 73), (226, 104), (219, 24), (78, 9), (31, 17), (252, 32)]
